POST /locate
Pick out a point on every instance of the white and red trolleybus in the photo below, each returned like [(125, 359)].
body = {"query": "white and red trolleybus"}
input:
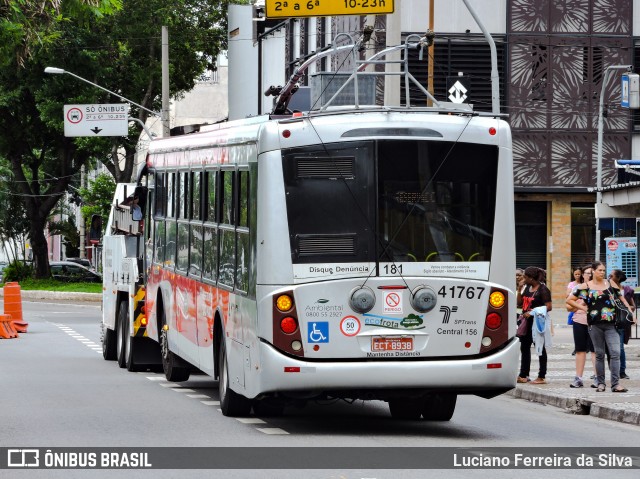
[(357, 253)]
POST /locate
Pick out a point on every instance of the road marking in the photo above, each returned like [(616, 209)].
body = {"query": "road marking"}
[(250, 420), (211, 403), (74, 334), (272, 430), (183, 390), (170, 385), (198, 396), (156, 378)]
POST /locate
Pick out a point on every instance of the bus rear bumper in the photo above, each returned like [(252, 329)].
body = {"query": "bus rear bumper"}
[(280, 374)]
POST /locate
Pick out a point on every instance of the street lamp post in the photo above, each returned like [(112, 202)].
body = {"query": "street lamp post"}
[(607, 72), (60, 71)]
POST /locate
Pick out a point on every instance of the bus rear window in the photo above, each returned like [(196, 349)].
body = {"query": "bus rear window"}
[(391, 200), (436, 201)]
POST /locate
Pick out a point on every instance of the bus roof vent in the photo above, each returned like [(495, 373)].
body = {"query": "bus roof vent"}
[(393, 131), (331, 168), (322, 245)]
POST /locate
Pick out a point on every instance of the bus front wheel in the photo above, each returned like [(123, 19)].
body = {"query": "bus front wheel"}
[(231, 403)]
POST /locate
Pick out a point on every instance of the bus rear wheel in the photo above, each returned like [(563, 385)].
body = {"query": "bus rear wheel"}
[(268, 407), (439, 407), (175, 369), (405, 408), (231, 403)]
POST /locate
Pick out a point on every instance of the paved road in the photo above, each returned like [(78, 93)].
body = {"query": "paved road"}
[(56, 390)]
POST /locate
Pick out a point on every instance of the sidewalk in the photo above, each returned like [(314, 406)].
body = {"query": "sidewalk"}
[(38, 295), (622, 407)]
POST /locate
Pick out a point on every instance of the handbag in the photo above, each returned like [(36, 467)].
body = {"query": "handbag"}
[(522, 327), (624, 317)]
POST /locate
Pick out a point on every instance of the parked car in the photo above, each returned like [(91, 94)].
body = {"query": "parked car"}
[(82, 261), (68, 271)]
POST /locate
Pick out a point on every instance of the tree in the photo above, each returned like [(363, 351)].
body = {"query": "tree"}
[(14, 224), (120, 52), (97, 198), (26, 25), (123, 55)]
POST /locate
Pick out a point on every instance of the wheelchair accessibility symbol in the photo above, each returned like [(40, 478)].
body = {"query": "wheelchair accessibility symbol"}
[(318, 332)]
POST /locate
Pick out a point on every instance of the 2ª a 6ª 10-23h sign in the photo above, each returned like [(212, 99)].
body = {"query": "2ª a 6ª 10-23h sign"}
[(326, 8)]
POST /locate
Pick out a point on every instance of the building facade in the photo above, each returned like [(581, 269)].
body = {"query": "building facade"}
[(552, 56)]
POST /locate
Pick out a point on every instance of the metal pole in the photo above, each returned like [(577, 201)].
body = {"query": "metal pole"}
[(495, 79), (81, 231), (607, 72), (393, 38), (55, 70), (166, 129), (432, 52)]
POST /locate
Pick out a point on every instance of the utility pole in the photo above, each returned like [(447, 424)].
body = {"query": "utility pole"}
[(605, 77), (432, 51), (166, 128), (394, 37), (81, 232)]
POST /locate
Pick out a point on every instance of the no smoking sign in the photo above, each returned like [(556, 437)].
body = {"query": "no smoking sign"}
[(392, 302)]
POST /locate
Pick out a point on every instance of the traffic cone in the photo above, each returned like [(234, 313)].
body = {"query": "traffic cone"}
[(13, 306), (7, 330)]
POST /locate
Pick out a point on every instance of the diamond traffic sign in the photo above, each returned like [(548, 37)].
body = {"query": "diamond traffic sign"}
[(96, 120), (458, 89)]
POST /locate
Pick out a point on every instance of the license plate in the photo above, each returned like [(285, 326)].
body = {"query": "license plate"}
[(391, 344)]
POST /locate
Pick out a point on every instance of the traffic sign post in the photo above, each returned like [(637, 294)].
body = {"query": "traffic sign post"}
[(96, 120), (325, 8)]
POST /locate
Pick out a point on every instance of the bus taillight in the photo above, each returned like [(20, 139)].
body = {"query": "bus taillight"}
[(287, 336), (496, 325), (288, 325), (496, 299), (493, 321), (284, 303)]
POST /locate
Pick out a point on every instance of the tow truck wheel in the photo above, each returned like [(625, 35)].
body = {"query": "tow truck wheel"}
[(109, 352), (122, 329), (175, 370), (405, 408), (231, 403), (439, 407)]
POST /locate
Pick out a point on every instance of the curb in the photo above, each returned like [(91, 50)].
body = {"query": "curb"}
[(579, 406), (37, 295)]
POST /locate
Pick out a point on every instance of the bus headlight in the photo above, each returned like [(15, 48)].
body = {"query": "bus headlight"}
[(423, 299), (362, 300)]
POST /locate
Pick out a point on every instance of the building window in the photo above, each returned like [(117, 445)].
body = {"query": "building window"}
[(531, 234)]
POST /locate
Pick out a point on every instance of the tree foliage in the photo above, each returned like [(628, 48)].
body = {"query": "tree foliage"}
[(97, 198), (117, 49), (26, 25)]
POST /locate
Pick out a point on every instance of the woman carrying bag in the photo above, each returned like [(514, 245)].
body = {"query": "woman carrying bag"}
[(601, 314), (535, 294)]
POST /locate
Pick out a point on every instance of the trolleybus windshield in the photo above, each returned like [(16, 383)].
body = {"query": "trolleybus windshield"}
[(391, 201)]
